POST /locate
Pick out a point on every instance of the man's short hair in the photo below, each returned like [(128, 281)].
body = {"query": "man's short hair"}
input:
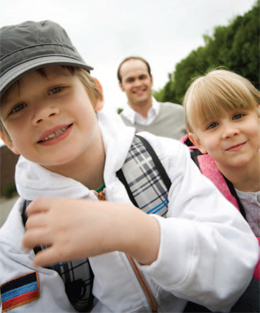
[(132, 58)]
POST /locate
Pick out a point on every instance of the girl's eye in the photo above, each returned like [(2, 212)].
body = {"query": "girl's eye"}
[(238, 116), (212, 125), (18, 108), (55, 90)]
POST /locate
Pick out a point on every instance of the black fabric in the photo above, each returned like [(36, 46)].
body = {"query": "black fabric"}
[(249, 301), (234, 194), (121, 177), (193, 307)]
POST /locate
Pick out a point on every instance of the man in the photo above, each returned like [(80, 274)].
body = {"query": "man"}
[(143, 111)]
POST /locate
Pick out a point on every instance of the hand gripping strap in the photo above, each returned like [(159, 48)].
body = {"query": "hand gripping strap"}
[(76, 275)]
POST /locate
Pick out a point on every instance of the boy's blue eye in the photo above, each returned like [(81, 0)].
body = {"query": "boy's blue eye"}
[(18, 108), (55, 90)]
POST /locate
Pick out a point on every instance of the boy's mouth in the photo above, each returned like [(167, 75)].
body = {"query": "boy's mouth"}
[(55, 134)]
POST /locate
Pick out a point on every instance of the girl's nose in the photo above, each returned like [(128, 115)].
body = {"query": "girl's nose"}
[(230, 129)]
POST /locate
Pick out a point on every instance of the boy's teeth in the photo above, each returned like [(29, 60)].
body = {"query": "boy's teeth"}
[(57, 133)]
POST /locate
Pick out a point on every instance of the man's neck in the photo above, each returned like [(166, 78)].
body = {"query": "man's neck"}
[(142, 108)]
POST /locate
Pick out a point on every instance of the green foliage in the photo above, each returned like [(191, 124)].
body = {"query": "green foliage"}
[(9, 191), (234, 47)]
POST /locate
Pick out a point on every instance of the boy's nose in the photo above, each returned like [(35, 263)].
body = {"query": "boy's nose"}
[(43, 114)]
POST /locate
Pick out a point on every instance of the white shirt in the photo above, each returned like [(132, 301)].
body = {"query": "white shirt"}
[(135, 117), (205, 242)]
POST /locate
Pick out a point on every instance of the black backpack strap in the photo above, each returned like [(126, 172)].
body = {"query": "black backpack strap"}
[(145, 178), (234, 194), (157, 162), (121, 177), (194, 153), (24, 218)]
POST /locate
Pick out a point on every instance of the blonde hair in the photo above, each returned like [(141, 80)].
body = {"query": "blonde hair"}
[(216, 92), (88, 82)]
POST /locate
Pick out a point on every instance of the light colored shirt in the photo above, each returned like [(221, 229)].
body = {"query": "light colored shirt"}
[(135, 117), (251, 204)]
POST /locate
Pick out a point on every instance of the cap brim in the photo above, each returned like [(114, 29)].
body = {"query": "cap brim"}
[(15, 73)]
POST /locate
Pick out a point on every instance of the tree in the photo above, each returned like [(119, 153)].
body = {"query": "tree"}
[(234, 47)]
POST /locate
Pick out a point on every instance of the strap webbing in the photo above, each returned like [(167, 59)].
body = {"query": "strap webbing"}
[(157, 162), (234, 194)]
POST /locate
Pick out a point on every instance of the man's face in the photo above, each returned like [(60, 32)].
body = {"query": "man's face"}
[(136, 82)]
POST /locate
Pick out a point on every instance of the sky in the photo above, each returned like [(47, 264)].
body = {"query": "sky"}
[(106, 31)]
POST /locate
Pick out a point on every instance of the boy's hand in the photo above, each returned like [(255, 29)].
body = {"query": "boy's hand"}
[(77, 229)]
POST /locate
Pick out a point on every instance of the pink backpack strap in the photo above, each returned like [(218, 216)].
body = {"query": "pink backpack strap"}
[(184, 138), (209, 168), (257, 268)]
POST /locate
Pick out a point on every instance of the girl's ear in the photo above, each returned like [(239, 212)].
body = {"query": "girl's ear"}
[(7, 140), (196, 141)]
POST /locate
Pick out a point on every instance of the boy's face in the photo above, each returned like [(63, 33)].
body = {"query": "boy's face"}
[(232, 140), (50, 119)]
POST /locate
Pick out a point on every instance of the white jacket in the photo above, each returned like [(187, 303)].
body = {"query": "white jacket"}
[(207, 251)]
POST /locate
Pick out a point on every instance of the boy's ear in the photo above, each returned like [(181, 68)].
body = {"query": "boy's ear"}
[(100, 102), (7, 140), (195, 140), (99, 105), (258, 110), (98, 84)]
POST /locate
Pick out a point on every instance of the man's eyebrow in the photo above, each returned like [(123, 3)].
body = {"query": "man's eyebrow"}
[(130, 78)]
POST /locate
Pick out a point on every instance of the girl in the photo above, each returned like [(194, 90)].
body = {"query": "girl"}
[(222, 111)]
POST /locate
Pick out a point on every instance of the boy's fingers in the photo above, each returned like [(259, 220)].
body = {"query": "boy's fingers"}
[(48, 256), (35, 237), (36, 220), (38, 205)]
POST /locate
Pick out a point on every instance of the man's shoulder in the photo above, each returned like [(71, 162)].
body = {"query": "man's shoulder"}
[(172, 106)]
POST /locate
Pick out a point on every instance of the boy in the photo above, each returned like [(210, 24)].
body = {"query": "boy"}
[(51, 114)]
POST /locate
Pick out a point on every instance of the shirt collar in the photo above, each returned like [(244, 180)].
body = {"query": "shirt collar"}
[(132, 115)]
